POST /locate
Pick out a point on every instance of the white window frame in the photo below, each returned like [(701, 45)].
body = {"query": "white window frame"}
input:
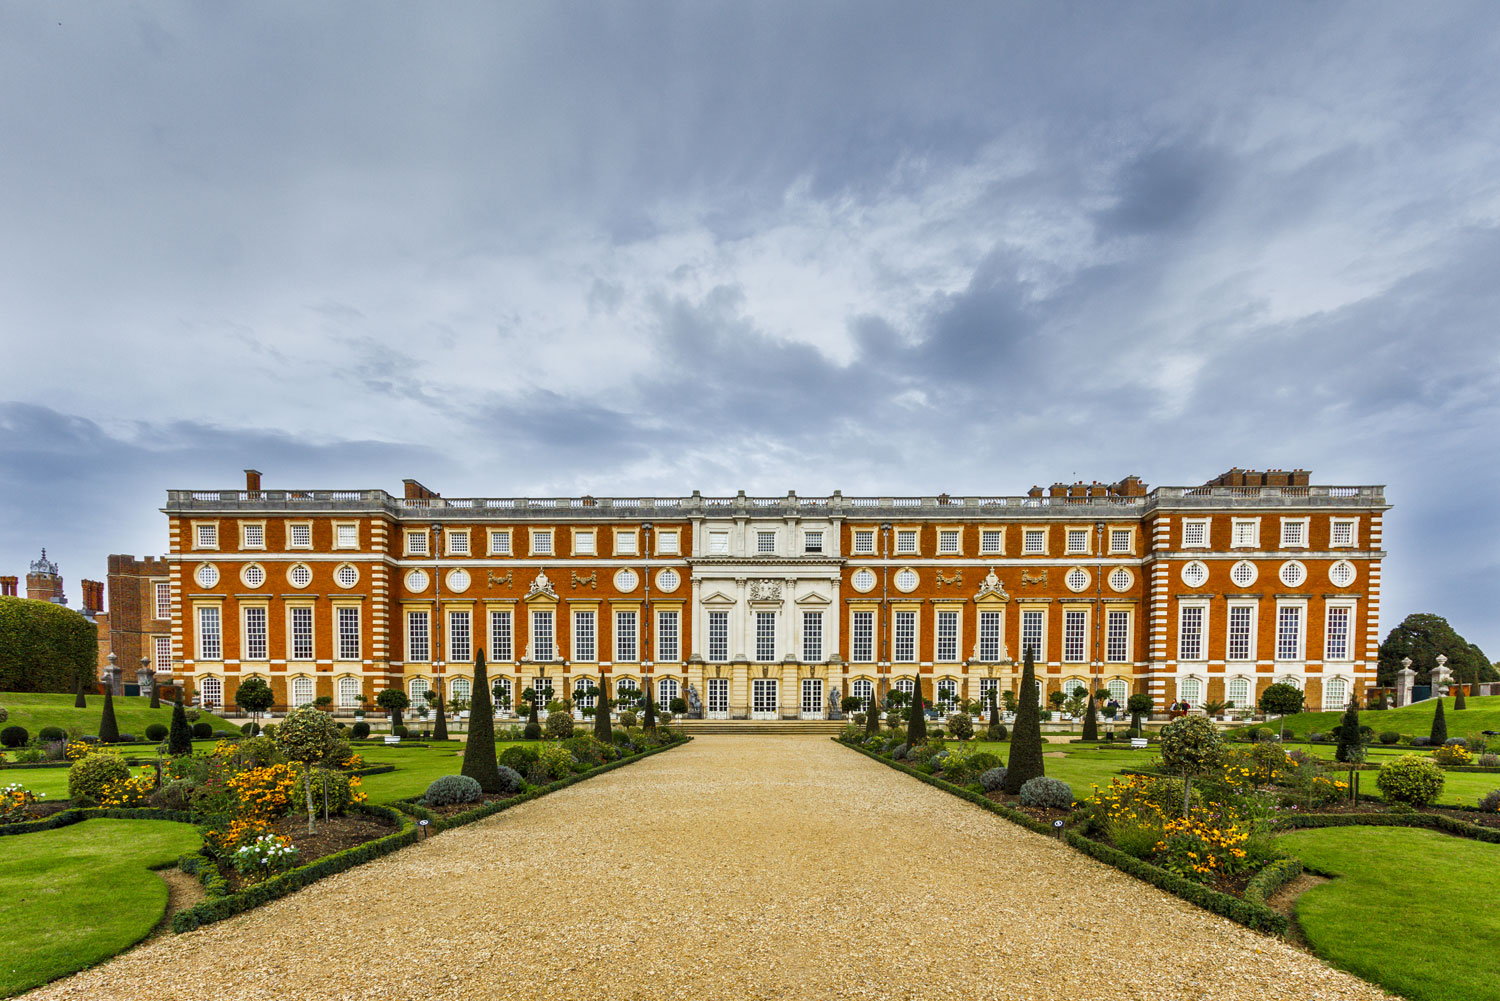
[(542, 542), (543, 627), (245, 527), (905, 631), (1300, 607), (718, 636), (456, 542), (1332, 704), (205, 535), (1039, 648), (947, 628), (860, 536), (209, 621), (460, 688), (347, 689), (718, 543), (291, 533), (418, 639), (1198, 525), (500, 542), (1117, 641), (585, 542), (211, 691), (1230, 687), (162, 653), (668, 542), (812, 541), (991, 541), (255, 643), (862, 636), (339, 528), (163, 596), (347, 647), (1034, 541), (1190, 690), (765, 637), (1114, 539), (765, 542), (502, 630), (1329, 654), (627, 636), (295, 616), (1192, 631), (585, 635), (416, 542), (1251, 611), (627, 542), (303, 691), (908, 541), (991, 635), (1304, 524), (668, 636), (1075, 640), (1076, 541), (812, 637), (1241, 539), (950, 542), (459, 641), (1333, 527)]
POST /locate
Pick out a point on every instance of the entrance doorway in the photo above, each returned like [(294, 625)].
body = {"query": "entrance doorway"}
[(812, 698), (718, 698), (763, 698)]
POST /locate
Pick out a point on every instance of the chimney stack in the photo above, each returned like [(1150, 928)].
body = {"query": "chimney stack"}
[(93, 596), (8, 587), (252, 480)]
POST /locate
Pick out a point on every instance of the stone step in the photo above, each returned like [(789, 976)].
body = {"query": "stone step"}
[(745, 727)]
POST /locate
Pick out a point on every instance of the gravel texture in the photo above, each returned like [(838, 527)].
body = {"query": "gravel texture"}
[(734, 867)]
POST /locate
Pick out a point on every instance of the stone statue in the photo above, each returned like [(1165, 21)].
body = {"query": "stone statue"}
[(694, 703), (833, 703)]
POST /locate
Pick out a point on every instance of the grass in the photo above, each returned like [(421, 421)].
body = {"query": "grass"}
[(1082, 768), (133, 713), (416, 767), (1410, 910), (1483, 713), (76, 895)]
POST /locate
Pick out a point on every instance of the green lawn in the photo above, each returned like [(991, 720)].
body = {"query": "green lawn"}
[(1411, 910), (416, 767), (132, 713), (77, 895), (1483, 713), (1083, 767)]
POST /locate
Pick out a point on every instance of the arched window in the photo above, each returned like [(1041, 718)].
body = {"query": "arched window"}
[(500, 690), (1190, 690), (459, 688), (1238, 693), (666, 691), (302, 692), (211, 692), (1075, 686), (348, 688), (862, 688), (906, 685), (585, 693), (947, 693), (1119, 690), (417, 692), (1335, 694)]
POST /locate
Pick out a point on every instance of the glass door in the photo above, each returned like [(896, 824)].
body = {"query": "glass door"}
[(718, 698), (812, 698), (763, 698)]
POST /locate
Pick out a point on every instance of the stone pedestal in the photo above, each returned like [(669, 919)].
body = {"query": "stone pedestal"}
[(1405, 679)]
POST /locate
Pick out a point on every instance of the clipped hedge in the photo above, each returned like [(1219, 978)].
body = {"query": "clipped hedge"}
[(45, 647), (76, 815), (1272, 878), (1433, 821), (1252, 915)]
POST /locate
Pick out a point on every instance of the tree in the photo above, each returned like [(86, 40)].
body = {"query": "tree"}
[(1422, 636), (872, 713), (393, 700), (1351, 746), (1281, 700), (79, 702), (254, 696), (109, 730), (994, 709), (45, 647), (307, 735), (1138, 705), (1439, 731), (603, 732), (180, 737), (155, 692), (479, 750), (1026, 742), (1458, 700), (648, 721), (533, 729), (1191, 746), (1091, 721), (916, 719), (440, 728)]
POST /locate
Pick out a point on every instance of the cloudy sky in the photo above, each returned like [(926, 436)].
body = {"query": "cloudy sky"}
[(629, 248)]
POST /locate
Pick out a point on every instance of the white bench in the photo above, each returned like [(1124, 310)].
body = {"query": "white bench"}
[(1136, 743), (394, 739)]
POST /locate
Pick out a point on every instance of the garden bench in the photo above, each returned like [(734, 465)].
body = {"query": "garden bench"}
[(1137, 743), (392, 739)]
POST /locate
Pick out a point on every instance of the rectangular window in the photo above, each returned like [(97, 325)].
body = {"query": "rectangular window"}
[(668, 638), (949, 541), (347, 537), (947, 637), (1119, 540), (1033, 634), (864, 541), (718, 543), (1117, 636), (906, 540), (543, 635), (583, 544), (904, 638), (348, 622), (1336, 646), (1075, 632), (502, 636), (585, 638), (1078, 540), (812, 542), (163, 653), (1289, 632), (302, 633), (499, 543), (1293, 533), (765, 542), (208, 536), (862, 638), (1034, 541), (1194, 533), (1190, 632), (1341, 533), (765, 636), (255, 634), (1241, 631), (627, 650), (418, 638), (812, 637), (458, 543), (164, 601), (668, 543), (460, 638), (990, 541), (718, 637), (541, 542), (253, 536), (1246, 533), (625, 544), (299, 536), (416, 542), (989, 636)]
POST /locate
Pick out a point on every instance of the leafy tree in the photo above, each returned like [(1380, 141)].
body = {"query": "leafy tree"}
[(393, 701), (109, 730), (254, 696), (916, 719), (1091, 721), (1351, 746), (1439, 732), (1138, 705), (850, 704), (603, 731), (180, 738), (1190, 745), (1422, 636), (501, 693), (479, 750), (307, 735), (648, 722), (1026, 760), (1281, 700), (45, 647)]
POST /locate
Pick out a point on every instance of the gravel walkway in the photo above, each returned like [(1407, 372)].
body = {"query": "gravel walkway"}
[(735, 867)]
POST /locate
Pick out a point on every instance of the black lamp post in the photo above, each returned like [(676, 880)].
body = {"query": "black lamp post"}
[(437, 606)]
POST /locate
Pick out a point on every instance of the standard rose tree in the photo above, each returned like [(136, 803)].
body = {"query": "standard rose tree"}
[(307, 735)]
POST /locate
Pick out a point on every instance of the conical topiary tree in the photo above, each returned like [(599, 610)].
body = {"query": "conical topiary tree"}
[(872, 713), (109, 730), (916, 718), (603, 731), (440, 728), (479, 750), (180, 737), (648, 718), (1026, 742), (1091, 721), (79, 702), (1458, 700), (155, 687), (1351, 747), (1439, 725), (994, 709), (533, 729)]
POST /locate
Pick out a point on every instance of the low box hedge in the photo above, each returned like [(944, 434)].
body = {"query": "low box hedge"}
[(1272, 878), (1433, 821), (76, 815)]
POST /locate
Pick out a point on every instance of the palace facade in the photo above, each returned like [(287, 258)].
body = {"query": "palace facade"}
[(773, 607)]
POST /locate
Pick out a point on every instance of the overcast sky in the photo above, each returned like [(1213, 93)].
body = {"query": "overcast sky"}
[(623, 248)]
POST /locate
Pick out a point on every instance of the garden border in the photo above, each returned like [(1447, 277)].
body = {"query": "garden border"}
[(78, 814), (1432, 821), (1253, 915)]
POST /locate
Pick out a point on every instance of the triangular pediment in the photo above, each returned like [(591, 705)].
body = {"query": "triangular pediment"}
[(813, 599), (717, 598)]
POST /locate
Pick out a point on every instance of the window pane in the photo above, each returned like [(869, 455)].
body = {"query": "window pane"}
[(989, 636), (812, 637), (502, 637), (543, 636), (1117, 638), (460, 638), (627, 650), (1032, 634), (255, 634), (348, 619), (302, 633), (585, 642), (210, 639), (862, 640), (718, 637), (1074, 632), (905, 637), (765, 636), (947, 636), (666, 637)]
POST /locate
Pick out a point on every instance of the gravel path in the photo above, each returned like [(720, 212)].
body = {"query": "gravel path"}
[(735, 867)]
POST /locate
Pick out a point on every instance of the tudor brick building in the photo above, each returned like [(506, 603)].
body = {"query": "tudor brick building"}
[(773, 606)]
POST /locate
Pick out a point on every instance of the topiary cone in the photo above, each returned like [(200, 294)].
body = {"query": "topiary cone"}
[(80, 702), (1026, 742), (916, 719), (440, 730), (648, 721), (1439, 724), (603, 732), (479, 750), (109, 730), (994, 708), (872, 713), (1091, 721), (180, 737)]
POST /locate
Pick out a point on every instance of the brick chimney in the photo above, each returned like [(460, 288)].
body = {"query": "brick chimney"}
[(8, 587), (93, 596), (415, 491), (1034, 492), (252, 480)]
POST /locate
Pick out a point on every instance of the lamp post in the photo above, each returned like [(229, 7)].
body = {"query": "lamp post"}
[(883, 650), (647, 661), (437, 606)]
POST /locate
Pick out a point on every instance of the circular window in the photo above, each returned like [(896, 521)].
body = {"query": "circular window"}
[(1077, 579), (1243, 573), (1293, 573), (1120, 579), (254, 575), (863, 580), (1342, 573), (906, 579), (416, 581), (346, 575), (458, 581), (207, 575), (668, 580), (1195, 574), (626, 580), (300, 575)]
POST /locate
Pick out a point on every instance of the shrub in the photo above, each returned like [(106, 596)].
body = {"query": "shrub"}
[(518, 757), (4, 714), (559, 725), (156, 731), (1490, 760), (1410, 779), (899, 754), (627, 719), (533, 731), (1421, 741), (1490, 801), (961, 726), (451, 789), (360, 730), (997, 732), (89, 775), (1317, 737), (341, 790), (1390, 737), (176, 795), (250, 729), (983, 761), (1254, 734), (202, 731), (258, 752), (554, 760), (511, 781), (1452, 754), (52, 733), (993, 779), (586, 749), (14, 736), (1048, 793), (401, 731)]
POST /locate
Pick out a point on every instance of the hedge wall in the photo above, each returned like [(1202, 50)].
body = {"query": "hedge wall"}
[(1434, 821), (74, 816), (45, 647)]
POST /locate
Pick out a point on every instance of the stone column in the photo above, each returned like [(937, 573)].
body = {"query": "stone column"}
[(1441, 676), (1405, 679), (112, 676)]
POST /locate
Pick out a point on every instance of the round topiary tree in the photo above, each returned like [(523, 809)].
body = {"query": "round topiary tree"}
[(307, 735), (360, 730), (559, 726), (393, 701), (1190, 746), (15, 736), (254, 696), (1281, 700), (449, 790), (90, 774), (156, 732), (1410, 779), (202, 730), (1138, 705)]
